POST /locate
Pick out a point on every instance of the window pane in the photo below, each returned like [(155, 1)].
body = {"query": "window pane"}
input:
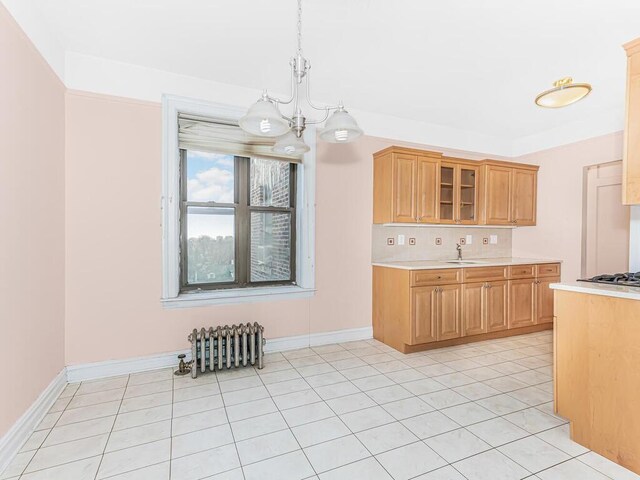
[(210, 245), (269, 183), (210, 177), (270, 246)]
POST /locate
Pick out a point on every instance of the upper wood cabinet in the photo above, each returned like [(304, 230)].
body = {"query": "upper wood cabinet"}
[(631, 157), (405, 186), (428, 194), (416, 186), (509, 194), (459, 192)]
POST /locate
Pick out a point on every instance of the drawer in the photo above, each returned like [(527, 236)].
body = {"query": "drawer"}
[(522, 271), (436, 277), (484, 274), (548, 270)]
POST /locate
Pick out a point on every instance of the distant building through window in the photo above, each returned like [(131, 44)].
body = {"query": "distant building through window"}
[(237, 221)]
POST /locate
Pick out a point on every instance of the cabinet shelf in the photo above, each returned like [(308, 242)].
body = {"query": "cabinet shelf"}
[(446, 202), (468, 186)]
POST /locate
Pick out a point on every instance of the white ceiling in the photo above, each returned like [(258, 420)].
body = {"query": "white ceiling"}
[(472, 65)]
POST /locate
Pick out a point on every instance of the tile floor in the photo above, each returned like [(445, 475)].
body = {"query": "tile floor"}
[(357, 410)]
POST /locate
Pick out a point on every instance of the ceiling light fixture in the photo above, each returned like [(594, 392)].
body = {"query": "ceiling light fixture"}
[(564, 93), (265, 119)]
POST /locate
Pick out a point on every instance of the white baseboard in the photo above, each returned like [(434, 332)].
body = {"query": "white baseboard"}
[(19, 433), (111, 368), (315, 339)]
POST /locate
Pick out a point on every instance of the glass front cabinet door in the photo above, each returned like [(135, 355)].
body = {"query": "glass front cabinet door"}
[(458, 193)]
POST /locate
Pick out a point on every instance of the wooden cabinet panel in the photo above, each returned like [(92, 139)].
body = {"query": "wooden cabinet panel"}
[(523, 199), (473, 308), (467, 194), (423, 315), (544, 300), (448, 312), (548, 270), (484, 274), (497, 306), (522, 271), (631, 157), (522, 303), (435, 277), (497, 195), (428, 192), (404, 188)]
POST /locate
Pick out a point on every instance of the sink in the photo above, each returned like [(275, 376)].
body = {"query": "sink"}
[(464, 262)]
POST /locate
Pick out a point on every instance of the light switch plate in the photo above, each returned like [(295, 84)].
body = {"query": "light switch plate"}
[(469, 239), (493, 239), (400, 239)]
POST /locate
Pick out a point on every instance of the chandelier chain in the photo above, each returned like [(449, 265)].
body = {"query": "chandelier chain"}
[(300, 26)]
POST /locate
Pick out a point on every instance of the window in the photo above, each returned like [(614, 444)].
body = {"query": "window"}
[(237, 221)]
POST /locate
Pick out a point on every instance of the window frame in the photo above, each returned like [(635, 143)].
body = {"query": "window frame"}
[(242, 226), (304, 231)]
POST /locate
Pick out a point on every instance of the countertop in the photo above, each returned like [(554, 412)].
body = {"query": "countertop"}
[(480, 262), (619, 291)]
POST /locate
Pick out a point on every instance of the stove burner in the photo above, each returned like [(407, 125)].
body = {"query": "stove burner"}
[(628, 279)]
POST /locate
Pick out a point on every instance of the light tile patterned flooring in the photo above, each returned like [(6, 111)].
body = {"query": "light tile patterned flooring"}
[(353, 411)]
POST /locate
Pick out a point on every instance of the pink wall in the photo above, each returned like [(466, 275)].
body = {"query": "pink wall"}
[(32, 216), (558, 233), (113, 232)]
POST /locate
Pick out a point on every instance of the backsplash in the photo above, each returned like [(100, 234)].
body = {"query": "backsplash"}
[(425, 247)]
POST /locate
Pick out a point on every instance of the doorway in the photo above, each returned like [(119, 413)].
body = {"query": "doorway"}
[(605, 228)]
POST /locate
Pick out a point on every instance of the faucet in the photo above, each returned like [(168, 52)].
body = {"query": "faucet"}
[(459, 248)]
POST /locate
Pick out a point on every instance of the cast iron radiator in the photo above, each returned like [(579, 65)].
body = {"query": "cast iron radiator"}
[(226, 347)]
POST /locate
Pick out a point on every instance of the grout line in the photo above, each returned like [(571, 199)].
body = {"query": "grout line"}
[(233, 437), (111, 431), (348, 380)]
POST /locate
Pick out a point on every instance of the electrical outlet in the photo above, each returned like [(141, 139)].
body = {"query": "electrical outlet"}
[(485, 241), (412, 241), (493, 239), (469, 239), (438, 241), (391, 241), (463, 241), (400, 239)]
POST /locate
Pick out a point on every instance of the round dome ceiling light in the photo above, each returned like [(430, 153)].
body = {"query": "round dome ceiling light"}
[(564, 93)]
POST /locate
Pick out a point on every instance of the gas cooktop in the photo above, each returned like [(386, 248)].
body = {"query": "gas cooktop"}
[(628, 279)]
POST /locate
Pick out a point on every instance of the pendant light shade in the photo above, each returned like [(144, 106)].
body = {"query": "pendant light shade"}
[(263, 118), (564, 93), (340, 128), (289, 144)]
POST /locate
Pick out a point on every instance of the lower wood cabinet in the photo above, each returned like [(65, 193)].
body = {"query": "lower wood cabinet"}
[(522, 294), (485, 307), (474, 318), (423, 315), (425, 307), (435, 313), (448, 312), (497, 309), (544, 300)]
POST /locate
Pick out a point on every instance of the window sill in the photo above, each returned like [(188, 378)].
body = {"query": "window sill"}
[(237, 295)]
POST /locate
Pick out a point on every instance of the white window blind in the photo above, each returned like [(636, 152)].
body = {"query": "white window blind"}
[(220, 136)]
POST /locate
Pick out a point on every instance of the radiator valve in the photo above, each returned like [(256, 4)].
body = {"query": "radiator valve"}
[(183, 367)]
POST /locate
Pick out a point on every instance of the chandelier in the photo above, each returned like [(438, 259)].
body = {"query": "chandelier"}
[(264, 117)]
